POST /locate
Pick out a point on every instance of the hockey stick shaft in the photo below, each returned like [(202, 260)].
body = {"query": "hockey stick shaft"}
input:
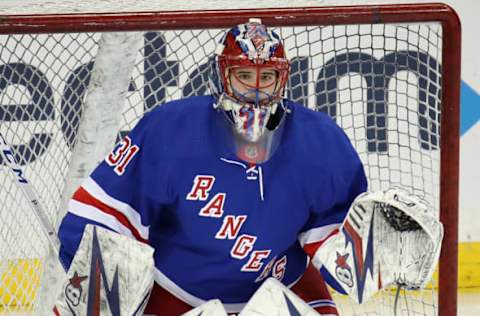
[(8, 157)]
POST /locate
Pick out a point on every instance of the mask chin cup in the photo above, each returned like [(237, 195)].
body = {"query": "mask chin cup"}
[(253, 142), (250, 121)]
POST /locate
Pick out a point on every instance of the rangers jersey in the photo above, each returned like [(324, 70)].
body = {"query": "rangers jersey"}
[(219, 226)]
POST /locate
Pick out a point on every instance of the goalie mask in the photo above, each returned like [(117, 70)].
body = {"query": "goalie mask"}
[(247, 79)]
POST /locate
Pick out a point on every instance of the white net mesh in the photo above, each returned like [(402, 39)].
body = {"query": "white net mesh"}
[(380, 82)]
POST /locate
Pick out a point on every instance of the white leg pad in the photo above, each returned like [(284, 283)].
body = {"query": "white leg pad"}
[(210, 308), (274, 298)]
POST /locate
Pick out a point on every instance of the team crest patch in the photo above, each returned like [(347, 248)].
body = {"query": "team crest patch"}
[(252, 153), (74, 289), (343, 270)]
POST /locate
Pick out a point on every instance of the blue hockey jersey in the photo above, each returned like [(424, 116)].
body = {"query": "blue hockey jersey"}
[(219, 226)]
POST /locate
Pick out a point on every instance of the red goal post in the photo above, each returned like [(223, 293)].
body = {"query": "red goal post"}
[(438, 128)]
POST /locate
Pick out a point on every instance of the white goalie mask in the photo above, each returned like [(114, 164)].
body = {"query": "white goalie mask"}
[(248, 79)]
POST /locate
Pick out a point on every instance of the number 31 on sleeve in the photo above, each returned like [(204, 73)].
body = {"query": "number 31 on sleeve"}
[(121, 155)]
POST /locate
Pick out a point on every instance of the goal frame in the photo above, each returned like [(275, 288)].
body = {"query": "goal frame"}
[(364, 14)]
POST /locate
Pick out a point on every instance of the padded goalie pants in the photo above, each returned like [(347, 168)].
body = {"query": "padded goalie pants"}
[(311, 288)]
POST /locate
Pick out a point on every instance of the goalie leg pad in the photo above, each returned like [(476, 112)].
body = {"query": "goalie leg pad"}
[(274, 298), (210, 308)]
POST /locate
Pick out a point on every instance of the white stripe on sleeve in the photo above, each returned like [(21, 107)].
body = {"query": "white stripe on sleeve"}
[(94, 214), (316, 234), (130, 213)]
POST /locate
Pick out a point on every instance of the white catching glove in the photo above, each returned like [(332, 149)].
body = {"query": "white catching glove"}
[(410, 239), (388, 237)]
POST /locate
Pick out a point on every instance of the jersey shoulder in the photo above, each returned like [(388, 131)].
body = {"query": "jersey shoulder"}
[(157, 140), (312, 121), (318, 133), (315, 140), (329, 163), (178, 125), (187, 110)]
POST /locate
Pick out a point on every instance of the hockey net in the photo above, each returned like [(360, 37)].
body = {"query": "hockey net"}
[(376, 70)]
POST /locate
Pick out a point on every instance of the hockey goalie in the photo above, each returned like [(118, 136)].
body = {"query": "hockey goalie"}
[(243, 186), (387, 238)]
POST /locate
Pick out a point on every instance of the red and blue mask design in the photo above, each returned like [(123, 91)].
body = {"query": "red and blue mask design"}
[(249, 103)]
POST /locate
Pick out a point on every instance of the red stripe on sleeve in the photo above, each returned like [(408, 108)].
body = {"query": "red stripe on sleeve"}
[(82, 196), (311, 248)]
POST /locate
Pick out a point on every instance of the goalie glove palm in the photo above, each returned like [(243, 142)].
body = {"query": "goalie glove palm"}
[(409, 239), (388, 237)]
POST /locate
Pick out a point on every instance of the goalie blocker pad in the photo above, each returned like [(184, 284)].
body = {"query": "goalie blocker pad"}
[(388, 237), (111, 274)]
